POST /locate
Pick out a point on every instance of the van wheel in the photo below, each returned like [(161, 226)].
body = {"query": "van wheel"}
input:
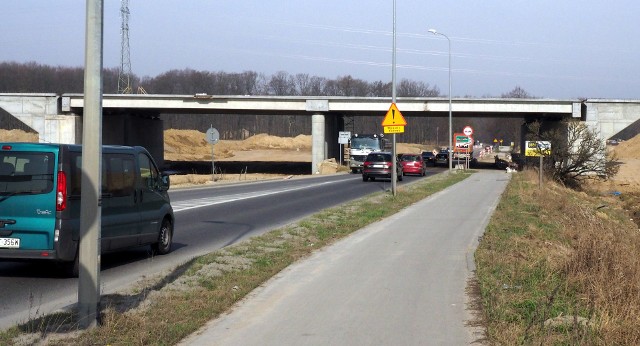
[(163, 246), (70, 269)]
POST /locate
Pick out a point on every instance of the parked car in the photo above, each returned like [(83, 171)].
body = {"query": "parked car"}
[(442, 158), (429, 158), (381, 165), (413, 164), (40, 202)]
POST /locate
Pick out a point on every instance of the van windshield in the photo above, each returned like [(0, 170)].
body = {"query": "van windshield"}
[(26, 172)]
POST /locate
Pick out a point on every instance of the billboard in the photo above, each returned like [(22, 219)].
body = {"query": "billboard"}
[(535, 148), (462, 143)]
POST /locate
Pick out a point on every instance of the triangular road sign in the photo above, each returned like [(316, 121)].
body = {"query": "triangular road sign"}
[(394, 117)]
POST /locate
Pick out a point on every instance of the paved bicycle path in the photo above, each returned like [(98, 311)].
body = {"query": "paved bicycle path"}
[(399, 281)]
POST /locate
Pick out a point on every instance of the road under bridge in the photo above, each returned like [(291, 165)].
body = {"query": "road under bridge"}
[(135, 119)]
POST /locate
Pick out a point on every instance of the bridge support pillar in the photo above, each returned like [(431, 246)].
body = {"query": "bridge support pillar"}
[(132, 129), (317, 141), (333, 125)]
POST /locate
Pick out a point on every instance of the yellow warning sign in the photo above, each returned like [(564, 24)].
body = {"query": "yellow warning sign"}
[(394, 129), (394, 117)]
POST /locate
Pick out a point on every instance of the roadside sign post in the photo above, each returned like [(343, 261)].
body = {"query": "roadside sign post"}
[(540, 149), (540, 174), (461, 143), (393, 103), (394, 123), (343, 138), (468, 131), (212, 137)]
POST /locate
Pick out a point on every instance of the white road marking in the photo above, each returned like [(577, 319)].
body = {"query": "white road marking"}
[(205, 202)]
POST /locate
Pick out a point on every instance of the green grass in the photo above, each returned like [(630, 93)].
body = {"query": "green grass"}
[(209, 285)]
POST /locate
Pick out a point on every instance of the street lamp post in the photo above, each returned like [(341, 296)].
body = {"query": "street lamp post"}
[(435, 32)]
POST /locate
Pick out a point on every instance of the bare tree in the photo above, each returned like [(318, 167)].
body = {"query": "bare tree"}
[(517, 93), (380, 89), (282, 84), (349, 86), (411, 88)]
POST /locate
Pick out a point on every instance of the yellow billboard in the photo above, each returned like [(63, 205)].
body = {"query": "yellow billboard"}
[(536, 148)]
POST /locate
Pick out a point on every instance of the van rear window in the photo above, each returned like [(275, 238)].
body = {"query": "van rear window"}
[(26, 172), (118, 175)]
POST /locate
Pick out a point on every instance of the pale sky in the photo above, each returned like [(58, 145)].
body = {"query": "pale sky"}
[(550, 48)]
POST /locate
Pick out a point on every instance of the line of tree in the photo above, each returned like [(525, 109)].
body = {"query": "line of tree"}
[(32, 77)]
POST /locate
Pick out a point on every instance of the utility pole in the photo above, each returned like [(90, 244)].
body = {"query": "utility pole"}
[(90, 209), (394, 173)]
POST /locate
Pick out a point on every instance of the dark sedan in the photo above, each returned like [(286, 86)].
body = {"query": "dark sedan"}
[(442, 158), (429, 158), (381, 165)]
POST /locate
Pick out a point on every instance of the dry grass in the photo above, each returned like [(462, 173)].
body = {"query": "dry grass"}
[(555, 252)]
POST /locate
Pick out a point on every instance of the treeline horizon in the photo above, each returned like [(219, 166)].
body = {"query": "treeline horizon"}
[(32, 77)]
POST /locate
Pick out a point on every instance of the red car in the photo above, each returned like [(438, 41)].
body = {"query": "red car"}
[(413, 164)]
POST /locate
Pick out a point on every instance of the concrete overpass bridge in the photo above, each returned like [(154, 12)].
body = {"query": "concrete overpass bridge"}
[(134, 119)]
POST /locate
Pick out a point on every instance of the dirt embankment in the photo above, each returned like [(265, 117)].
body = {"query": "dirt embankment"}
[(628, 153), (17, 136), (190, 145), (628, 156)]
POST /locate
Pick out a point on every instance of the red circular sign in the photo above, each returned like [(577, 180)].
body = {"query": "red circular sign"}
[(468, 131)]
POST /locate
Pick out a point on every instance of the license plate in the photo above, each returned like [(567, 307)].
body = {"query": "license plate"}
[(378, 166), (11, 243)]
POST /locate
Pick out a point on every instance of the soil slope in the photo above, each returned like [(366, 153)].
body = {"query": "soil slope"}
[(628, 177)]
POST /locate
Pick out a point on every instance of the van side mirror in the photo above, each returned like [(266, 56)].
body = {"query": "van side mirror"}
[(164, 182)]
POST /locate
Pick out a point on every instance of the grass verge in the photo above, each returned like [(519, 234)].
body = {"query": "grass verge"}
[(560, 267), (166, 310)]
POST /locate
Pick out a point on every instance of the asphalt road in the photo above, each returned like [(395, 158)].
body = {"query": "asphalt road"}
[(206, 219), (400, 281)]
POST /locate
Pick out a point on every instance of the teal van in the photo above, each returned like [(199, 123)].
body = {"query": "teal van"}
[(40, 202)]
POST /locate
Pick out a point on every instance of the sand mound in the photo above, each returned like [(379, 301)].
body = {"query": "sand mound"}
[(628, 154), (17, 136), (628, 149), (264, 141), (190, 145)]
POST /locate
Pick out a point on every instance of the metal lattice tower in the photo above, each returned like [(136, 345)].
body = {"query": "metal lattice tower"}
[(124, 76)]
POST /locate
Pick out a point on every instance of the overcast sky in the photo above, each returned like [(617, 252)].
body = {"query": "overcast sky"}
[(550, 48)]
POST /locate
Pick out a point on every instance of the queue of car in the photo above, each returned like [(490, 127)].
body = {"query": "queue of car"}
[(380, 165)]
